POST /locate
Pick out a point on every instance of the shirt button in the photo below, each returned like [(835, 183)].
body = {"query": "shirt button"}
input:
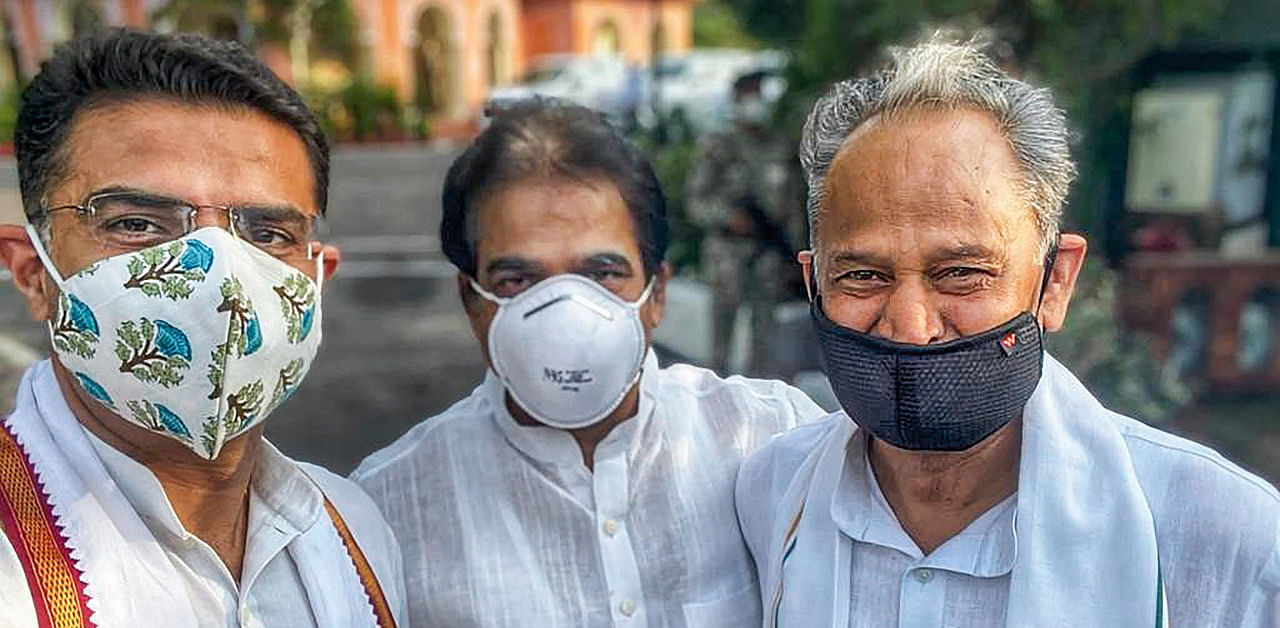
[(924, 575), (245, 616), (610, 527), (627, 608)]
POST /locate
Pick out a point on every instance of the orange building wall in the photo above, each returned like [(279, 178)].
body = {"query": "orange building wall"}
[(532, 28), (636, 20), (547, 26)]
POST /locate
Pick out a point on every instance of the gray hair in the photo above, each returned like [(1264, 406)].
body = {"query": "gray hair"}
[(937, 73)]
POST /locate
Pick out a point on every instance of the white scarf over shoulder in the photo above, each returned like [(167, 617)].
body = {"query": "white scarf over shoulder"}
[(127, 577), (1086, 537)]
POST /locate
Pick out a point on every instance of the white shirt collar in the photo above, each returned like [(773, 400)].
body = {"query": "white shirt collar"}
[(986, 548), (285, 497), (558, 447)]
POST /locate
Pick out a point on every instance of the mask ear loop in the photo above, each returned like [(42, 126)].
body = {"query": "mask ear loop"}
[(320, 271), (1050, 259), (488, 296), (44, 257), (644, 296)]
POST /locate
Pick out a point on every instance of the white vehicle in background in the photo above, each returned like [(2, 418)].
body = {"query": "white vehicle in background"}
[(694, 90), (599, 82)]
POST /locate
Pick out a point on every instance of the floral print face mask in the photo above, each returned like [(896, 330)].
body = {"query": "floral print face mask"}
[(198, 339)]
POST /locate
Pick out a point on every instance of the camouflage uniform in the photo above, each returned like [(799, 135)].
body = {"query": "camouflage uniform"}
[(745, 268)]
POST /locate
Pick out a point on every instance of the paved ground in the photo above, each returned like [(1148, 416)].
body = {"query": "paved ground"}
[(396, 347)]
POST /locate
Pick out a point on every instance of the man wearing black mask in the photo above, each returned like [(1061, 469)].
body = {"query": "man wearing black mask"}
[(971, 480)]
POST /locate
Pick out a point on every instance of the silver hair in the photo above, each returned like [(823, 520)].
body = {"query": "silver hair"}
[(940, 73)]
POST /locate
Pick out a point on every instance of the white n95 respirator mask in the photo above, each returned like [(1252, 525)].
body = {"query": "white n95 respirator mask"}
[(567, 350), (198, 339)]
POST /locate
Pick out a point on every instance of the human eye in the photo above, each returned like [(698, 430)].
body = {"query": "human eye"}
[(272, 228), (862, 280), (136, 220), (269, 235), (604, 275), (510, 284), (962, 279)]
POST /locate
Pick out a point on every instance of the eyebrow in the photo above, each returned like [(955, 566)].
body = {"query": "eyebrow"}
[(860, 257), (511, 263), (963, 252), (283, 208), (597, 260)]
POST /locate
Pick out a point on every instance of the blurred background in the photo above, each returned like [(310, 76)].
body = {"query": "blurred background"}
[(1174, 105)]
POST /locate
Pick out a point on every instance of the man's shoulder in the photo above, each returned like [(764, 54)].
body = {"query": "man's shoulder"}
[(372, 533), (1165, 459), (431, 432), (704, 384), (1206, 505), (355, 506), (772, 467)]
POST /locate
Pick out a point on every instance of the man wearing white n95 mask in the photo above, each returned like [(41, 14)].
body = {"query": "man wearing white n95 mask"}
[(579, 484)]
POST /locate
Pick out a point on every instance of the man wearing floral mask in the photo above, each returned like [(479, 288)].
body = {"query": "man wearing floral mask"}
[(971, 480), (580, 484), (172, 185)]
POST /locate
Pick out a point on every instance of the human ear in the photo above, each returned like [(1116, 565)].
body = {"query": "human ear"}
[(1062, 281), (332, 257), (806, 271), (657, 303), (19, 255)]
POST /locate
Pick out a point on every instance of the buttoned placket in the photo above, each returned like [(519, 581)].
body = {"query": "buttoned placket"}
[(922, 586), (610, 492)]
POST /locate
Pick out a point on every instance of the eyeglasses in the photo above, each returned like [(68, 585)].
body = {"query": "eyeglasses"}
[(131, 221)]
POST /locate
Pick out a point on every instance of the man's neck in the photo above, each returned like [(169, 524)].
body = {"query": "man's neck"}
[(935, 495), (210, 497), (590, 436)]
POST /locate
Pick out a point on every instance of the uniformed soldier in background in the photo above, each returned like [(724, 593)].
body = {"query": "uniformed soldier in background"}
[(745, 197)]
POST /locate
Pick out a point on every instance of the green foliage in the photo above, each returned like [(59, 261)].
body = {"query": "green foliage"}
[(243, 406), (716, 25), (362, 110), (8, 110), (67, 337), (1069, 43), (155, 272), (146, 414), (290, 377), (333, 23), (1116, 365), (135, 346), (672, 163), (218, 358), (296, 297), (209, 433)]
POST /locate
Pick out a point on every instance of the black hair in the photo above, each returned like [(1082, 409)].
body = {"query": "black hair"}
[(122, 65), (549, 138)]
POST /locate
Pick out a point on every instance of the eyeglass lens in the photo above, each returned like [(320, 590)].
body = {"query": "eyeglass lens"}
[(137, 221)]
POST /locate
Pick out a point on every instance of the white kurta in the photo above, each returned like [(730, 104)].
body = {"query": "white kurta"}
[(296, 571), (503, 525), (1215, 527)]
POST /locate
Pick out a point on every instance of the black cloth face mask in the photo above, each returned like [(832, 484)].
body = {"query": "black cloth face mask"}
[(941, 397)]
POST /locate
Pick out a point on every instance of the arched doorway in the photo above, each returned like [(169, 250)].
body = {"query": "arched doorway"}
[(607, 40), (496, 52), (433, 63)]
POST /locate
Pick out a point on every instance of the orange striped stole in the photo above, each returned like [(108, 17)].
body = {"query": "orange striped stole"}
[(381, 609), (27, 521)]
